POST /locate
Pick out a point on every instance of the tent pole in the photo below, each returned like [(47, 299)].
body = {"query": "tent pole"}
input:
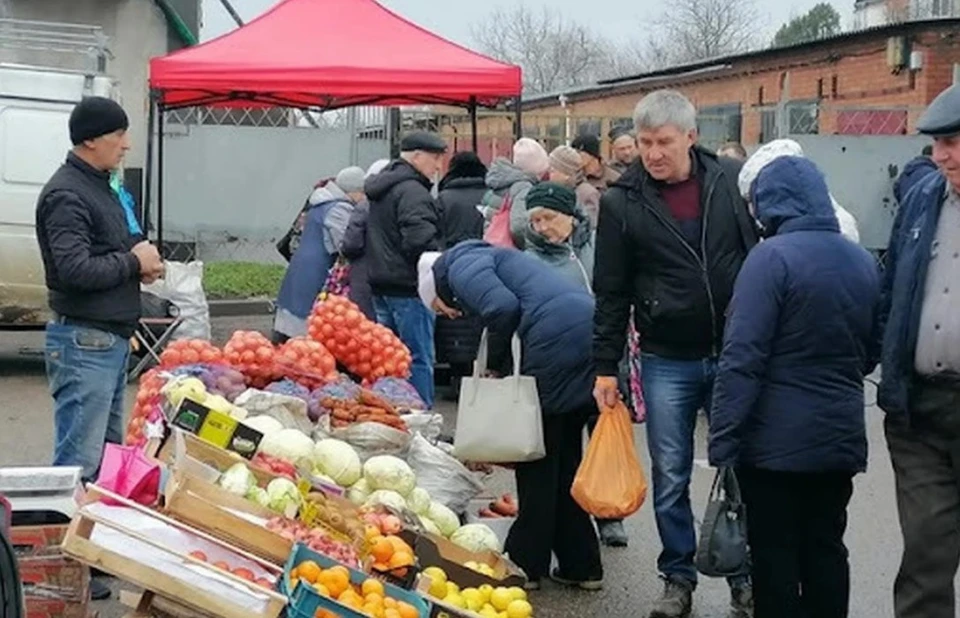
[(160, 116), (473, 123), (148, 173), (518, 123)]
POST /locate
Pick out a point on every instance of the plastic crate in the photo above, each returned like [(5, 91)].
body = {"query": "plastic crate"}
[(305, 601)]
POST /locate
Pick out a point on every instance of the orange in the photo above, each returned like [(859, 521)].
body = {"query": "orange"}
[(371, 586), (293, 582), (372, 610), (295, 573), (309, 570), (401, 559), (338, 584), (407, 611), (399, 544), (382, 550), (373, 598), (341, 569), (372, 532), (391, 613), (389, 603)]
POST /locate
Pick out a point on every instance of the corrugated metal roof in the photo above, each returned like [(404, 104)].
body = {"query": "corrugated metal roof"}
[(722, 62)]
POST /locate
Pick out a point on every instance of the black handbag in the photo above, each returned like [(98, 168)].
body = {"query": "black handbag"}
[(723, 550)]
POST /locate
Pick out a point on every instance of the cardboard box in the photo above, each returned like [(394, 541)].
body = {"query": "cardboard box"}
[(433, 550), (217, 428), (207, 454)]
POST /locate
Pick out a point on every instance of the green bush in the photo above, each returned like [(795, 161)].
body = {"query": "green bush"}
[(234, 280)]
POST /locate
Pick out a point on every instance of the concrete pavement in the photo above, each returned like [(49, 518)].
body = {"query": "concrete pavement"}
[(631, 582)]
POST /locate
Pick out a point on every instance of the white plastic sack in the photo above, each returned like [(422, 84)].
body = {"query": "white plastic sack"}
[(291, 412), (182, 285), (427, 425), (371, 439), (446, 479)]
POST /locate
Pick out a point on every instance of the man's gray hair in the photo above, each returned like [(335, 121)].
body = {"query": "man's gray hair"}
[(665, 107)]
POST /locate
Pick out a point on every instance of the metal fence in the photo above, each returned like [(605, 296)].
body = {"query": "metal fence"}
[(235, 179)]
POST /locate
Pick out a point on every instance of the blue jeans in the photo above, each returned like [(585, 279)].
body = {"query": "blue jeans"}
[(87, 371), (413, 323), (674, 391)]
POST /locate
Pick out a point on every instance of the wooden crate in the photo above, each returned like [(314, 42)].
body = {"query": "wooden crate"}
[(208, 454), (78, 545), (204, 505)]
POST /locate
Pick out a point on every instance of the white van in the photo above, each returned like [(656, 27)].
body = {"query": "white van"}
[(35, 105)]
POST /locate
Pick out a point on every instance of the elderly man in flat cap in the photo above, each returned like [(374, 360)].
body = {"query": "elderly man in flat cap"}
[(920, 388), (404, 223)]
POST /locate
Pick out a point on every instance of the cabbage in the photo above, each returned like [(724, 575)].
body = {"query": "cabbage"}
[(259, 495), (359, 492), (283, 496), (429, 526), (238, 479), (476, 537), (389, 472), (387, 498), (288, 444), (264, 424), (446, 520), (419, 501), (338, 460)]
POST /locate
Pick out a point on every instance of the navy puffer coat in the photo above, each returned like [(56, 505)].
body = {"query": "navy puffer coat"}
[(789, 389), (513, 292)]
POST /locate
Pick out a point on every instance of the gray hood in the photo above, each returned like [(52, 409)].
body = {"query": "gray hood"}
[(504, 174), (329, 192)]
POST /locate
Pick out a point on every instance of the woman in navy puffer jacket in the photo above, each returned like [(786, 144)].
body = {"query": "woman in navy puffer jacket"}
[(788, 409), (511, 292)]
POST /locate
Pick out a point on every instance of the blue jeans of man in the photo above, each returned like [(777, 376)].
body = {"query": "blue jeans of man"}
[(674, 392), (87, 371), (414, 324)]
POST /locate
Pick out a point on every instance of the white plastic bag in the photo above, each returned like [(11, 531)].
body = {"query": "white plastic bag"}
[(446, 479), (430, 426), (182, 285), (291, 412), (371, 439)]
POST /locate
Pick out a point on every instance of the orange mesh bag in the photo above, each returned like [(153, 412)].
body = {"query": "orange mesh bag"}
[(610, 483)]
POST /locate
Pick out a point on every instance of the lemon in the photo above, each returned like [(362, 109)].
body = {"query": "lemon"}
[(452, 588), (473, 599), (438, 589), (519, 609), (489, 612), (518, 593), (500, 599), (455, 600), (436, 574), (487, 606), (486, 591), (473, 566), (486, 569)]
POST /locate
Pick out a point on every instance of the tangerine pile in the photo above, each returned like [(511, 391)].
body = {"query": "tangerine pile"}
[(368, 598), (390, 553)]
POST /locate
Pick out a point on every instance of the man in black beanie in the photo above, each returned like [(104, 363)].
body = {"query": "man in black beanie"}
[(94, 257)]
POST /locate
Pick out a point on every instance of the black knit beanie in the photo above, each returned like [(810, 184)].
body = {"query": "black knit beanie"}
[(94, 117), (553, 196)]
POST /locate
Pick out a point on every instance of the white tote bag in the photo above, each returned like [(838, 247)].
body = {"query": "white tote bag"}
[(498, 419)]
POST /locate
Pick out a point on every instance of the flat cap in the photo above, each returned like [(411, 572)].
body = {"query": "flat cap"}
[(421, 140), (942, 117), (589, 144)]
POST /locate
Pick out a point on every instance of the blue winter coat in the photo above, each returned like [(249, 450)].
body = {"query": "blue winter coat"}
[(789, 389), (513, 292), (913, 172), (907, 261)]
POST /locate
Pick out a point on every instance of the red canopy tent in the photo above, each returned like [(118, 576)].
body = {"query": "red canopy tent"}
[(323, 55)]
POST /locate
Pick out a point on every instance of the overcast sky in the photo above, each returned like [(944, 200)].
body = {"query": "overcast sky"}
[(618, 19)]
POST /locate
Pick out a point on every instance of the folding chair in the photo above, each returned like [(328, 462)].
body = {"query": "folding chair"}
[(152, 344)]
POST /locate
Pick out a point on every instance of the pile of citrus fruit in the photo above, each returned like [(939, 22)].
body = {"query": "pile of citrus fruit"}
[(368, 598), (390, 553), (487, 601)]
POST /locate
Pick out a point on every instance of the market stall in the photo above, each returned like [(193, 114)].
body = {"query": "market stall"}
[(257, 480), (308, 54)]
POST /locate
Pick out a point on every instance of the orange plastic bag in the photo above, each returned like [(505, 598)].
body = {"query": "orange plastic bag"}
[(610, 483)]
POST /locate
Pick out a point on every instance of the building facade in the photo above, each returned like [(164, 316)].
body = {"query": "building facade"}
[(868, 82)]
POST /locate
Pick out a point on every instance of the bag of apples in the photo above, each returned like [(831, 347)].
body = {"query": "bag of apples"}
[(146, 409), (190, 352), (366, 348), (306, 362), (254, 356)]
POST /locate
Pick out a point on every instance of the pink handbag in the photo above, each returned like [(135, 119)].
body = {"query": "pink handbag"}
[(498, 233), (127, 472)]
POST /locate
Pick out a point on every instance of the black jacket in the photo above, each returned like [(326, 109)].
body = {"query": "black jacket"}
[(85, 244), (403, 223), (354, 248), (680, 295), (458, 203)]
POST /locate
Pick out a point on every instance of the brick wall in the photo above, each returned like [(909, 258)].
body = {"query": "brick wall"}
[(845, 78)]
